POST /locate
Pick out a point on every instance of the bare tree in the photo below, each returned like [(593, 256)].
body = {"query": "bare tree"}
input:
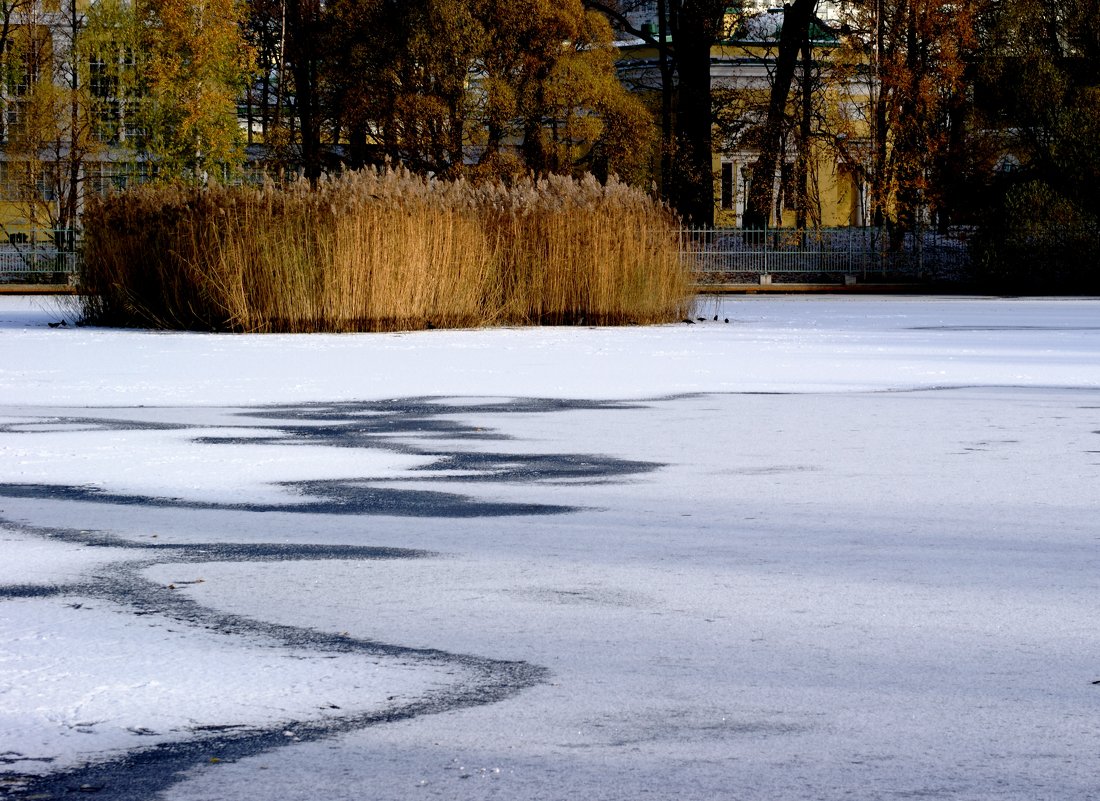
[(305, 26), (793, 41)]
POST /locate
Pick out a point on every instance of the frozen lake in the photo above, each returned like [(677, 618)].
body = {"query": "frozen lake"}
[(833, 548)]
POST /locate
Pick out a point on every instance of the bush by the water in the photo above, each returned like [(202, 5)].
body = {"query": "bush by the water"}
[(375, 251), (1037, 240)]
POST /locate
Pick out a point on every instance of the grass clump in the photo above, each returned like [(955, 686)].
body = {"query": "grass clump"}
[(381, 251)]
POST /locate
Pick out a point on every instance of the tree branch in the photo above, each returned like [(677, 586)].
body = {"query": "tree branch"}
[(618, 17)]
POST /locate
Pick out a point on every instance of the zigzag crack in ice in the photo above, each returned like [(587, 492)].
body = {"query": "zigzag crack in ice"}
[(141, 773), (399, 426)]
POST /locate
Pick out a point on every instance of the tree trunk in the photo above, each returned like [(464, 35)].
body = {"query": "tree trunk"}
[(796, 30), (878, 162), (805, 132), (668, 91), (72, 201), (303, 23), (695, 28)]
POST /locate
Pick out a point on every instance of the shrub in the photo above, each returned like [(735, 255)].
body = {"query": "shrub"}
[(381, 250), (1037, 240)]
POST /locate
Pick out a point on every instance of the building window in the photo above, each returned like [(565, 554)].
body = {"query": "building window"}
[(99, 78), (729, 188)]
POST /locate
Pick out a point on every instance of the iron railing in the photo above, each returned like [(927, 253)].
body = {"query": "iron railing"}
[(39, 262), (717, 255), (733, 254)]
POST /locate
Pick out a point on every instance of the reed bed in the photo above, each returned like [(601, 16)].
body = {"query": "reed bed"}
[(381, 251)]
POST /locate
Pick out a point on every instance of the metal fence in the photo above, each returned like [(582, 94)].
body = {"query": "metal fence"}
[(740, 254), (37, 263), (717, 255)]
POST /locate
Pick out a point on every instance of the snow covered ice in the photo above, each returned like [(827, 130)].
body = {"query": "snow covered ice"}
[(836, 548)]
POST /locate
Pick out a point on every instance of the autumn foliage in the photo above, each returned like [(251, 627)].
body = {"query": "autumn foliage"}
[(195, 65), (496, 87)]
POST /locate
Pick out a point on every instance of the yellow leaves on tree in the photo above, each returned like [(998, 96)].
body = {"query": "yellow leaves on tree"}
[(550, 84), (50, 115), (919, 53), (197, 65), (516, 85)]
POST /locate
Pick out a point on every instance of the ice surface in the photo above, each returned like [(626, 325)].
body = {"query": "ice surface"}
[(80, 681), (835, 548), (788, 345)]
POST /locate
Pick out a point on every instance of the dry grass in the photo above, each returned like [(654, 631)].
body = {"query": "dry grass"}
[(378, 251)]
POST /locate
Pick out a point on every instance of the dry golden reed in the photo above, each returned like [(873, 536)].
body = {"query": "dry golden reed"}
[(381, 251)]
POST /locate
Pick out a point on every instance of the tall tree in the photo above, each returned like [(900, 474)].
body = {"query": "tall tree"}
[(919, 56), (264, 28), (364, 46), (54, 135), (12, 58), (109, 49), (687, 31), (1040, 89), (1041, 80), (306, 23), (399, 75), (517, 86), (695, 25), (794, 39), (196, 64), (550, 83)]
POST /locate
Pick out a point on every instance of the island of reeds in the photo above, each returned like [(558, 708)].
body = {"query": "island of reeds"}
[(381, 251)]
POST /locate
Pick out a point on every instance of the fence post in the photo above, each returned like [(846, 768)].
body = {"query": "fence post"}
[(765, 238)]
